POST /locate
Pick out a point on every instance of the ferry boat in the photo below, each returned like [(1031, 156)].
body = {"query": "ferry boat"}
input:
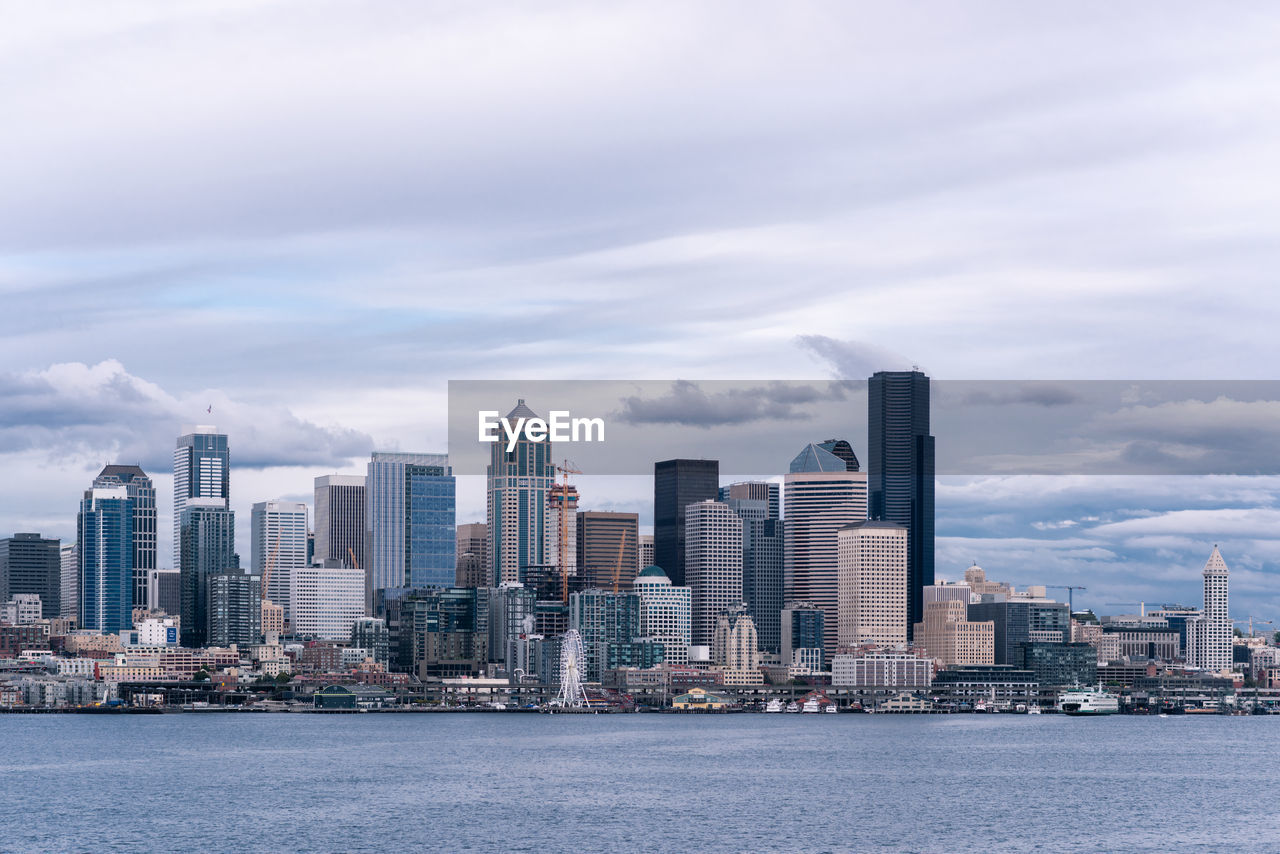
[(811, 706), (1088, 702), (773, 706)]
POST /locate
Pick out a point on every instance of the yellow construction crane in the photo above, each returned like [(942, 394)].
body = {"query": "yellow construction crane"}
[(562, 489), (355, 564), (617, 567)]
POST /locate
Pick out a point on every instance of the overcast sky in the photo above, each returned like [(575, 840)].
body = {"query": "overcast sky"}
[(310, 216)]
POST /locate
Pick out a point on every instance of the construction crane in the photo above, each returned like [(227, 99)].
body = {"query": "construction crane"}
[(562, 489), (1251, 621), (1071, 590), (355, 564), (1141, 605), (617, 567)]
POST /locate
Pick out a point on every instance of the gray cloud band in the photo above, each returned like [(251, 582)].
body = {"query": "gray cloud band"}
[(755, 427)]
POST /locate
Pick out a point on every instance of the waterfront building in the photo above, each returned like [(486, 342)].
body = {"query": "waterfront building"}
[(803, 630), (340, 524), (946, 632), (207, 536), (1060, 665), (234, 613), (104, 533), (32, 564), (326, 601), (1022, 621), (472, 550), (1209, 635), (201, 469), (278, 548), (900, 454), (410, 511), (142, 492), (763, 548), (820, 496), (988, 684), (666, 613), (713, 562), (370, 634), (519, 483), (603, 618), (69, 581), (872, 584), (607, 544), (677, 484), (871, 668)]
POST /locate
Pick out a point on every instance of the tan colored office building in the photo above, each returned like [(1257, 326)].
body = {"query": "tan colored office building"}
[(871, 559), (947, 635)]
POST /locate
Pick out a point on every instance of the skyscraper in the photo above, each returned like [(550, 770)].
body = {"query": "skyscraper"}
[(519, 482), (143, 494), (278, 536), (201, 469), (666, 612), (676, 485), (820, 496), (561, 525), (234, 614), (104, 533), (207, 543), (473, 555), (758, 505), (872, 584), (70, 581), (411, 516), (901, 469), (340, 518), (607, 545), (842, 449), (31, 564), (713, 542), (1209, 635), (327, 600)]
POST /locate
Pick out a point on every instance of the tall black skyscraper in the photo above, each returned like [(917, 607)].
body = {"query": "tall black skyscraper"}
[(676, 485), (901, 470)]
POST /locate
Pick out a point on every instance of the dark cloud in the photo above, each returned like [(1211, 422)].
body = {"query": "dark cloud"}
[(1010, 394), (853, 360)]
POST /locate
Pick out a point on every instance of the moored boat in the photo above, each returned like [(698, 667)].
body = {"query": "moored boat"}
[(1089, 702)]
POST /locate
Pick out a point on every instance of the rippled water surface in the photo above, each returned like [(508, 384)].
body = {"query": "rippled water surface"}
[(518, 782)]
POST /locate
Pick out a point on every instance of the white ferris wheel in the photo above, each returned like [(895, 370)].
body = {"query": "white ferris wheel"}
[(572, 694)]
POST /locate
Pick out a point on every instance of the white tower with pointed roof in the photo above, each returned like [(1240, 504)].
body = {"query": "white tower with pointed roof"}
[(1209, 635)]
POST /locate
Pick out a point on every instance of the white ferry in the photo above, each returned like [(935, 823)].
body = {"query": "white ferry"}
[(811, 706), (773, 706), (1089, 701)]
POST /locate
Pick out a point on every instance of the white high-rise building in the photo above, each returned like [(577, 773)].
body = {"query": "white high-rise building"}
[(712, 564), (69, 581), (1209, 636), (872, 559), (278, 532), (817, 504), (562, 522), (340, 518), (327, 601), (201, 469), (665, 613), (644, 555)]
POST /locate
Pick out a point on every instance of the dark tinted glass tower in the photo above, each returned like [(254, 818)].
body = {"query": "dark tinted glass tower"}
[(676, 485), (901, 470), (29, 563)]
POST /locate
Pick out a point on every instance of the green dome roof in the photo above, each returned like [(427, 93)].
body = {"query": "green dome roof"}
[(652, 571)]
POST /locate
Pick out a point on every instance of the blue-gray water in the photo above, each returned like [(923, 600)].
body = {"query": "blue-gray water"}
[(516, 782)]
